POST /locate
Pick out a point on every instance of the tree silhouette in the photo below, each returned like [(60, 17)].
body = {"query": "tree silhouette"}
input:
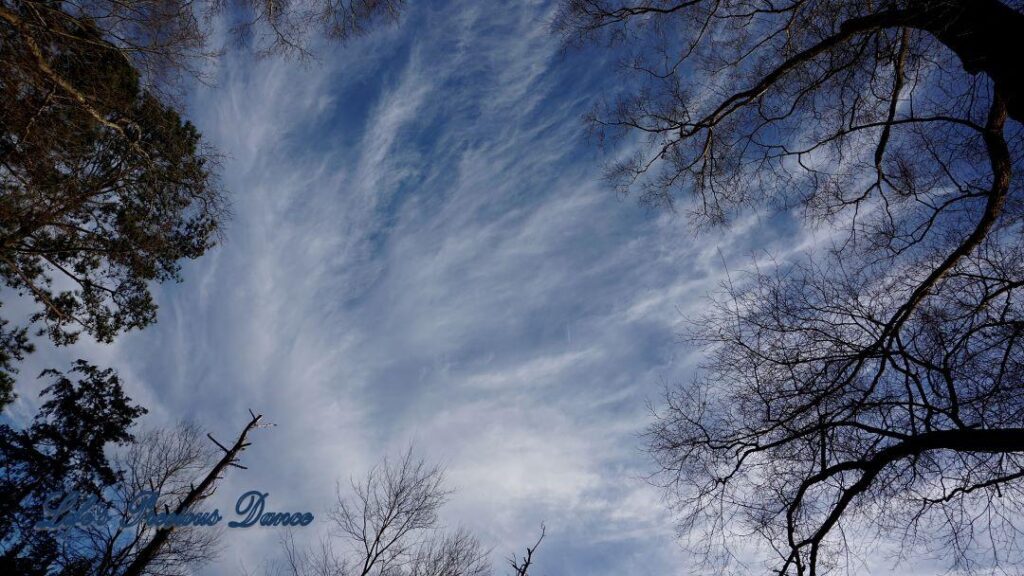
[(389, 526), (64, 454), (168, 461), (64, 450), (873, 387), (163, 550)]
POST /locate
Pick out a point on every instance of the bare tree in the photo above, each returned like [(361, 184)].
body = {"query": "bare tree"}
[(871, 389), (390, 527), (161, 548), (180, 468), (521, 566), (167, 462), (167, 41)]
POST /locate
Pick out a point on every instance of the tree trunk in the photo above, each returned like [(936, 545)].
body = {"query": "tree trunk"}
[(198, 493), (987, 36)]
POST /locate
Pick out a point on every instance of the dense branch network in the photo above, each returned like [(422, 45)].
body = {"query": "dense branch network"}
[(872, 386)]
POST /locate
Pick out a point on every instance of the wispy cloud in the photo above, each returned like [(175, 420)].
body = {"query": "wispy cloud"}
[(422, 252)]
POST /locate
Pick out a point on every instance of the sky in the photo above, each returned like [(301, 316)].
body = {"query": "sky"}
[(422, 252)]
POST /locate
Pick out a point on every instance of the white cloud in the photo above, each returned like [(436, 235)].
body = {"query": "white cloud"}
[(422, 251)]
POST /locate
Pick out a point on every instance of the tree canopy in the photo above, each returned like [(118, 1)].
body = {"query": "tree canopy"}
[(104, 187)]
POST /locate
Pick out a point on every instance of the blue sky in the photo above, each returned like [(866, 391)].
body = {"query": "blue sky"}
[(422, 252)]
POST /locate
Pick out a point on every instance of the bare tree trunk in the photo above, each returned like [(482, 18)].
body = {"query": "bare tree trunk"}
[(522, 567), (987, 35), (197, 494)]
